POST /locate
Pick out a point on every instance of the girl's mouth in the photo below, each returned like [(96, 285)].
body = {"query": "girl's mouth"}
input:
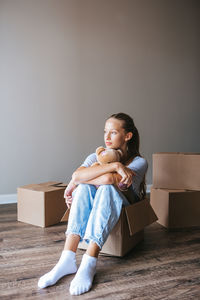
[(108, 143)]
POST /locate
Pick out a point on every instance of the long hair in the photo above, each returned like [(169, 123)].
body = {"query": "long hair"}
[(133, 144)]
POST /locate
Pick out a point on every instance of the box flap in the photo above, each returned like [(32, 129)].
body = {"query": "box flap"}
[(65, 216), (59, 184), (170, 190), (45, 187), (140, 215), (184, 153)]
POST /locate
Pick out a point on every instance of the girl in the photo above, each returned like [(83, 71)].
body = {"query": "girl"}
[(94, 212)]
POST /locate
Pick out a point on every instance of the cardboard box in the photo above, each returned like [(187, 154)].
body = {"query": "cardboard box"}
[(176, 208), (176, 170), (41, 204), (129, 229)]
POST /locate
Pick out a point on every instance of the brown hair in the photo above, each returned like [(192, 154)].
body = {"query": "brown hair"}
[(133, 144)]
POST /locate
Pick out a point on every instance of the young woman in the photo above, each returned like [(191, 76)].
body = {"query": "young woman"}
[(94, 212)]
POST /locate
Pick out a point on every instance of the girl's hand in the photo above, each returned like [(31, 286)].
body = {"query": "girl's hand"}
[(68, 201), (125, 173), (68, 193)]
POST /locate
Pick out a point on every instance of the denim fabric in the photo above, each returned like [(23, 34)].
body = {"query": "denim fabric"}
[(94, 212)]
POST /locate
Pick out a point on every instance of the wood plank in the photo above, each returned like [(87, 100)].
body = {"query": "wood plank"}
[(165, 266)]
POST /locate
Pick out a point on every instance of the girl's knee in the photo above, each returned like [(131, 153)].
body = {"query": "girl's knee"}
[(110, 191), (81, 186), (107, 187), (86, 186)]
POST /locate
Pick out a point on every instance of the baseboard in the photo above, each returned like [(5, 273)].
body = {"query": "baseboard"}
[(9, 198), (12, 198), (148, 188)]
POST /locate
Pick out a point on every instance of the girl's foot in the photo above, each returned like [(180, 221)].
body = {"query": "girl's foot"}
[(83, 279), (66, 265)]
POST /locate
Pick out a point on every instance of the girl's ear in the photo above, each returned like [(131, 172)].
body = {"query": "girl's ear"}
[(129, 136)]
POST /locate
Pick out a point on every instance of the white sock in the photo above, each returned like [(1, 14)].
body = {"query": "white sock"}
[(66, 265), (83, 279)]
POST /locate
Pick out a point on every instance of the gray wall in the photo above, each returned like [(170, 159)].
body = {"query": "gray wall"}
[(66, 65)]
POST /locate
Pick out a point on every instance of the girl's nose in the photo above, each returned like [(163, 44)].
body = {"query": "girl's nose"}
[(108, 136)]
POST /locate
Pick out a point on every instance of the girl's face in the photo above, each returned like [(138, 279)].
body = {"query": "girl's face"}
[(115, 136)]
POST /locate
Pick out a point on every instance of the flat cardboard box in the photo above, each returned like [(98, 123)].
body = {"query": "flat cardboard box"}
[(176, 170), (176, 208), (129, 229), (41, 204)]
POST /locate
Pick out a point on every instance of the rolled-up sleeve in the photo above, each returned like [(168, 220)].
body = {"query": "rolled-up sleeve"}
[(89, 160), (139, 165)]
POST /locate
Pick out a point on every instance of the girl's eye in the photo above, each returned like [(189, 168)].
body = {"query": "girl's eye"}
[(112, 132)]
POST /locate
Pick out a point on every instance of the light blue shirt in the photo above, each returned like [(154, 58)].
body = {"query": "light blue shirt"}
[(139, 165)]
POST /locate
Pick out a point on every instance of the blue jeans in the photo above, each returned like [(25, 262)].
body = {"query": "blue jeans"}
[(94, 212)]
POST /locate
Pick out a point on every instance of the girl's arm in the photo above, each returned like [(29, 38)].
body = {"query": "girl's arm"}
[(84, 175), (112, 173), (103, 179), (108, 178), (69, 189)]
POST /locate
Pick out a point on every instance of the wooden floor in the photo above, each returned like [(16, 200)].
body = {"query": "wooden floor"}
[(165, 266)]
